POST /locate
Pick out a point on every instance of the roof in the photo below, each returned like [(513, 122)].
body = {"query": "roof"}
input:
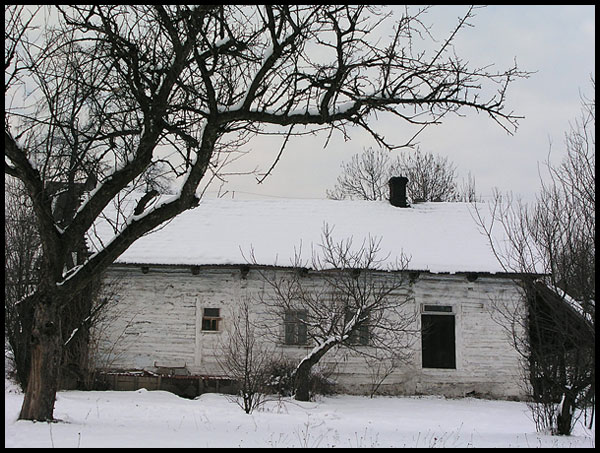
[(553, 293), (437, 237)]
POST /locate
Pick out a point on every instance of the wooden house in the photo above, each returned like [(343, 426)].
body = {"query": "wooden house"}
[(176, 290)]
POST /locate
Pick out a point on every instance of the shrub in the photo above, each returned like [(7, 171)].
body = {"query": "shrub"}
[(280, 379)]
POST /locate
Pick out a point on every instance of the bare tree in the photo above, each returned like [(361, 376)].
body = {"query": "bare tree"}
[(381, 364), (127, 89), (555, 239), (343, 298), (23, 255), (245, 359), (556, 346), (430, 177), (365, 177), (66, 175), (22, 250)]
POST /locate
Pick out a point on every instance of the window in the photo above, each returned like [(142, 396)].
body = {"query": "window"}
[(361, 335), (438, 344), (295, 327), (437, 308), (210, 319)]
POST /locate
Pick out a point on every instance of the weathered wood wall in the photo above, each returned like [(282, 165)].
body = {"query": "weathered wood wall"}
[(156, 324)]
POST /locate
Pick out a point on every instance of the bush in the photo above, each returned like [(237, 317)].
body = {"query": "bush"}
[(280, 379)]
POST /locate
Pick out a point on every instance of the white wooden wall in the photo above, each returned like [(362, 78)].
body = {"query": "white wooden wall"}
[(157, 322)]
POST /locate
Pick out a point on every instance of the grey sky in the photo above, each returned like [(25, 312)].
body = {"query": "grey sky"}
[(556, 41)]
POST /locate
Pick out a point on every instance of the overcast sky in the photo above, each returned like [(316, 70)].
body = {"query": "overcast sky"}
[(555, 41)]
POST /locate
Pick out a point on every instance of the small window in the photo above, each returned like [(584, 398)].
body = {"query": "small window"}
[(211, 318), (361, 335), (438, 341), (437, 308), (295, 327)]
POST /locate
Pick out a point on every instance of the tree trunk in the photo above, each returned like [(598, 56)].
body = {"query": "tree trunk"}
[(302, 381), (302, 375), (564, 418), (46, 352)]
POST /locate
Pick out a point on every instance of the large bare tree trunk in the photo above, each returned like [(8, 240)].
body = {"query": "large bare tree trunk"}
[(46, 353)]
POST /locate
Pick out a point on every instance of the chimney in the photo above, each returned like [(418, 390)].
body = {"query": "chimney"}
[(398, 191)]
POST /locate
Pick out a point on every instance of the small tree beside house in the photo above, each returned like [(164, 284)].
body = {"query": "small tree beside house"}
[(352, 307), (555, 237), (246, 358)]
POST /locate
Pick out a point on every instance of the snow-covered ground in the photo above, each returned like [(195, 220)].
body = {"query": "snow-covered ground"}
[(160, 419)]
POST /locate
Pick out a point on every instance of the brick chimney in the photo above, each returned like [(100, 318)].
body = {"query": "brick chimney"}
[(398, 191)]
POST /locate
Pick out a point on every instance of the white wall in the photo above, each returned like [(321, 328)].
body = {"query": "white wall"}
[(157, 321)]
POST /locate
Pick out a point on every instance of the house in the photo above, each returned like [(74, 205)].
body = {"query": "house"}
[(178, 286)]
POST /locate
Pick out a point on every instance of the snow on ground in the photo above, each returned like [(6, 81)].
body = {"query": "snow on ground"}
[(160, 419)]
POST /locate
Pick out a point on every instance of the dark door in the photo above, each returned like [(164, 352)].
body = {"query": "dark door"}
[(438, 341)]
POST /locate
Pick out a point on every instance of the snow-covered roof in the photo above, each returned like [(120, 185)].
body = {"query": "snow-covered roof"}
[(577, 306), (437, 237)]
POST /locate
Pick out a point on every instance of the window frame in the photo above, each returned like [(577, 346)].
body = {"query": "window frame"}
[(295, 331), (212, 320)]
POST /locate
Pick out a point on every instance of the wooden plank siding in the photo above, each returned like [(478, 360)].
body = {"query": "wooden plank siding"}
[(158, 318)]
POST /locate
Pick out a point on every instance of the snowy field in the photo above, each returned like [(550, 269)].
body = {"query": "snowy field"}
[(160, 419)]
